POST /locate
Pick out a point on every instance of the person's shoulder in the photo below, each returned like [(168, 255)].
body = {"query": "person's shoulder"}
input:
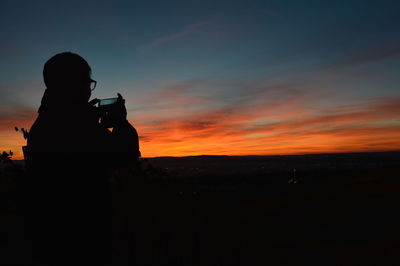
[(40, 127)]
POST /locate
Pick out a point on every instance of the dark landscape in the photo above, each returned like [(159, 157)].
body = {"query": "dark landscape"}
[(325, 209)]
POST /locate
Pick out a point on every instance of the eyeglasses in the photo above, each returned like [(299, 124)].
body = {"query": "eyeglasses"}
[(93, 84)]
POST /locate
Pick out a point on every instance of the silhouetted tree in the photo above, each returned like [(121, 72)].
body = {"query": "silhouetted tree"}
[(5, 157), (25, 132)]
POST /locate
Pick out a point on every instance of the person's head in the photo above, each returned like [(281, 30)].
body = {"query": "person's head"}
[(68, 75)]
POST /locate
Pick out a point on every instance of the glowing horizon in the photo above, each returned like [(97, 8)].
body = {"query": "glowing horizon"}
[(366, 127)]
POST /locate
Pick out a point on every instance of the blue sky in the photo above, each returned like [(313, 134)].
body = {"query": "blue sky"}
[(205, 55)]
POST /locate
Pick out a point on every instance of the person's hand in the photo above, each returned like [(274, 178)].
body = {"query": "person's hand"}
[(93, 102), (92, 110), (117, 114)]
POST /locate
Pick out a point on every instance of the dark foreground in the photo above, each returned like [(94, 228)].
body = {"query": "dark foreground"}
[(253, 210)]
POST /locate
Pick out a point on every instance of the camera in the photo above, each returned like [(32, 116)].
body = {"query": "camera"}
[(106, 107)]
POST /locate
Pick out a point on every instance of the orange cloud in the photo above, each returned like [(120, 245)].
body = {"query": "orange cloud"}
[(283, 128)]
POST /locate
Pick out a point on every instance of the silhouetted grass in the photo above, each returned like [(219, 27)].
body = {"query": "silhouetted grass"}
[(185, 215)]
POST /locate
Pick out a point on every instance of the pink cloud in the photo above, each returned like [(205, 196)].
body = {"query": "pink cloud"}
[(186, 31), (367, 55)]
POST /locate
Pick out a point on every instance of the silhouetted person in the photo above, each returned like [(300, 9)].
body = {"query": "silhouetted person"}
[(71, 155)]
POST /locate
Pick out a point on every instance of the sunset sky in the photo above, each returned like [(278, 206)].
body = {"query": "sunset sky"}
[(217, 77)]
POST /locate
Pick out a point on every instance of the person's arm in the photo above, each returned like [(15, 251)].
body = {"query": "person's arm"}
[(124, 136), (126, 140)]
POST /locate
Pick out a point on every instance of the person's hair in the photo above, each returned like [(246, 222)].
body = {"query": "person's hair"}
[(65, 70)]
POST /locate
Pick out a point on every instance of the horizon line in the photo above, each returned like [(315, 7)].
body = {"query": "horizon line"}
[(260, 155), (272, 155)]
